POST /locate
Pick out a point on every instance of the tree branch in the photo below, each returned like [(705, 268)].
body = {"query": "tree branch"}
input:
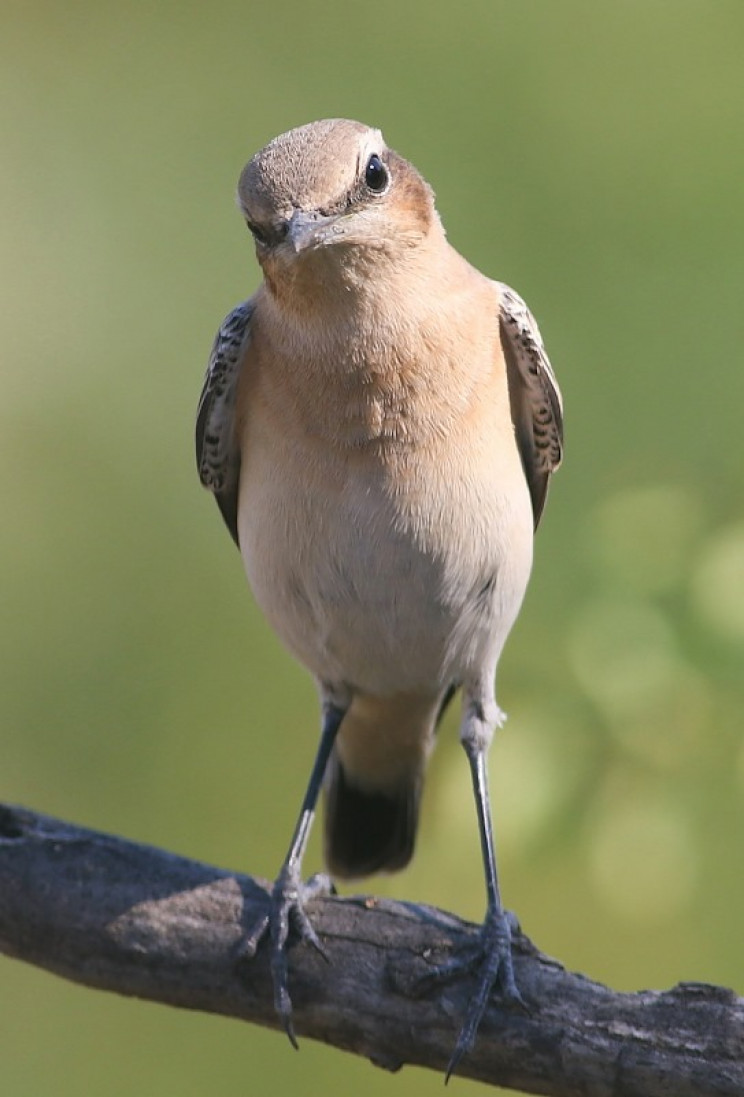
[(139, 921)]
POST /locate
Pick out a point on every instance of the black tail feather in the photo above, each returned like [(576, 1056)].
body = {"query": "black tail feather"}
[(368, 831)]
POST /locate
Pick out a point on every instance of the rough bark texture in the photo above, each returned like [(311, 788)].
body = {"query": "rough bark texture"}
[(139, 921)]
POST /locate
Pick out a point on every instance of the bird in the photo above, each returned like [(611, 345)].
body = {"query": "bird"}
[(378, 424)]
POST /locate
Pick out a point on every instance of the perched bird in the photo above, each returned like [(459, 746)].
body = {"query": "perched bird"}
[(378, 424)]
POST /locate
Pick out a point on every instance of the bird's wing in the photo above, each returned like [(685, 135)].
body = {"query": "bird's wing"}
[(534, 396), (217, 452)]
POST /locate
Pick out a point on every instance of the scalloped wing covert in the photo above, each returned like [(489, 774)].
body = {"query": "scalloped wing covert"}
[(536, 404), (217, 452)]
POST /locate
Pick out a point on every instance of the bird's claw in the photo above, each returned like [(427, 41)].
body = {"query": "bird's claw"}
[(491, 958), (286, 918)]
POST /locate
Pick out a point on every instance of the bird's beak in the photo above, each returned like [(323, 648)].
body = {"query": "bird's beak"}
[(309, 229)]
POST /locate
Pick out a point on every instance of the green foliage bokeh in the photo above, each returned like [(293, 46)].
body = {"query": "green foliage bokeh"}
[(589, 154)]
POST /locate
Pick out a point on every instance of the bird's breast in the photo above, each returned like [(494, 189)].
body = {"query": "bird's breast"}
[(387, 566), (384, 516)]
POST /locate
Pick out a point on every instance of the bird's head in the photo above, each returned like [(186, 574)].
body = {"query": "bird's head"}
[(332, 192)]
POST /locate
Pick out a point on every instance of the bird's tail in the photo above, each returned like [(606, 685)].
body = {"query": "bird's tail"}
[(374, 781), (368, 831)]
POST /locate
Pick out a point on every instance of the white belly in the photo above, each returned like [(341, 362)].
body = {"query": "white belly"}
[(385, 582)]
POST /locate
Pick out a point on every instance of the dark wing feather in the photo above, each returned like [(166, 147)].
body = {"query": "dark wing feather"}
[(217, 452), (536, 404)]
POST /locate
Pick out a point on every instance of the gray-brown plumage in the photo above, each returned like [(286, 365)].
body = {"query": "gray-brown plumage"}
[(379, 424)]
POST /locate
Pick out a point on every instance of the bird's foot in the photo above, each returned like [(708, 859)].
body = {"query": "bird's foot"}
[(287, 916), (490, 958)]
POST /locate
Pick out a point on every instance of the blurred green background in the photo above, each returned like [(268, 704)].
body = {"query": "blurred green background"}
[(591, 155)]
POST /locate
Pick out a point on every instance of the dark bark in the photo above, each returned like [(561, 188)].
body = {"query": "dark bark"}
[(139, 921)]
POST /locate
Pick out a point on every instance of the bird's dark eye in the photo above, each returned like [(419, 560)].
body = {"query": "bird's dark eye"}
[(375, 175), (258, 235)]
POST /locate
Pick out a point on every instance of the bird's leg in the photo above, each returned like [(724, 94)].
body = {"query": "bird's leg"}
[(491, 958), (288, 897), (494, 954)]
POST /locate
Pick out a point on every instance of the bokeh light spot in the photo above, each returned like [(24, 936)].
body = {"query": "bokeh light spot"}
[(643, 859), (718, 583), (623, 654), (644, 536), (671, 728), (527, 783)]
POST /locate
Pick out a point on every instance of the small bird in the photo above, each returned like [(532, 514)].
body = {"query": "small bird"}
[(378, 425)]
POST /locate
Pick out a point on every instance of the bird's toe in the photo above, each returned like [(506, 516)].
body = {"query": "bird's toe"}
[(489, 958), (285, 920)]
